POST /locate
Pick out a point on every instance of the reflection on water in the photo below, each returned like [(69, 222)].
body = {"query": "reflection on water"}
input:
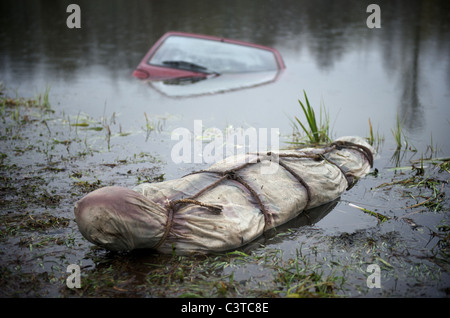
[(423, 31), (412, 46), (306, 218), (213, 85)]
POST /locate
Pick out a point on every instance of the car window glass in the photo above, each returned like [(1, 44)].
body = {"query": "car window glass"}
[(220, 57)]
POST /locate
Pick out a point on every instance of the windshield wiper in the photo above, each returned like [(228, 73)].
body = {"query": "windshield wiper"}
[(183, 65)]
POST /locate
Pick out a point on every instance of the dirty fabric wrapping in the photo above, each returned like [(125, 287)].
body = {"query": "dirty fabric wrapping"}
[(225, 206)]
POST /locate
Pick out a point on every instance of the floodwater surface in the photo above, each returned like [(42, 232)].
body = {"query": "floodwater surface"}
[(104, 127)]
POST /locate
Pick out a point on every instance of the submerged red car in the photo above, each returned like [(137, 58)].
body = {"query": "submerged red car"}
[(185, 55)]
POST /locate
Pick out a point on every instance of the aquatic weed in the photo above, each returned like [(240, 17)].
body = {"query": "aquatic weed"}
[(397, 132), (318, 131), (372, 140), (380, 217), (42, 99), (421, 182), (152, 125), (300, 276)]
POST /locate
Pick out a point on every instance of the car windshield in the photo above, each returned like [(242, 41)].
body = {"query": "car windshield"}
[(212, 56)]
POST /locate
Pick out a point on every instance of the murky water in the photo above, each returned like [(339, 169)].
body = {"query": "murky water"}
[(358, 73)]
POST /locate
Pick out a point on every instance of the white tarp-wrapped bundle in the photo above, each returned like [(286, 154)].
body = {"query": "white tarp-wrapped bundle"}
[(225, 206)]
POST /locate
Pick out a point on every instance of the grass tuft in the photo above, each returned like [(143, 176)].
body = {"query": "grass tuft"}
[(317, 131), (398, 134)]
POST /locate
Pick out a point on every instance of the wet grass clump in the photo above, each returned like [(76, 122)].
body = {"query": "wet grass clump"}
[(14, 224), (428, 190), (317, 130), (398, 134), (143, 274)]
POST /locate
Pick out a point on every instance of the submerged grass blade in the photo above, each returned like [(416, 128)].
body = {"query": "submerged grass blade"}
[(380, 217)]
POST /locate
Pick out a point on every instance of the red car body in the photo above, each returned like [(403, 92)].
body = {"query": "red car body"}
[(154, 71)]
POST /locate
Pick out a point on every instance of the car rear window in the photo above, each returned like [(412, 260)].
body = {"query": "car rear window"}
[(214, 56)]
